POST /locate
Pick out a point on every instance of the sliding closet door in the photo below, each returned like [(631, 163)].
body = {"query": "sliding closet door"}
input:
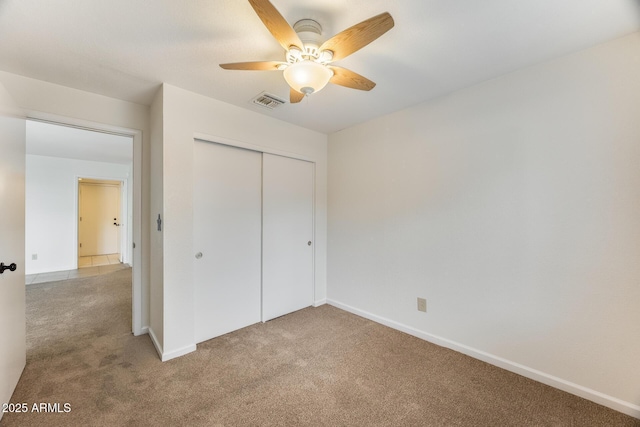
[(287, 235), (227, 238)]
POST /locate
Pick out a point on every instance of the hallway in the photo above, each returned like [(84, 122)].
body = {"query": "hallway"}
[(96, 260)]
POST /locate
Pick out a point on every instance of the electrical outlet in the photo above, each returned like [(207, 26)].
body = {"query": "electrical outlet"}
[(34, 257), (422, 304)]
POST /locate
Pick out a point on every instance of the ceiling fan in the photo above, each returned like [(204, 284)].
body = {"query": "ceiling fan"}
[(308, 68)]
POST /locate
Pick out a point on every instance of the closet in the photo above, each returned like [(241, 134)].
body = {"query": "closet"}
[(253, 237)]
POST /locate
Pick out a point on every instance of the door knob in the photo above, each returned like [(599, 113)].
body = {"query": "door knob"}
[(309, 243), (10, 267), (199, 255)]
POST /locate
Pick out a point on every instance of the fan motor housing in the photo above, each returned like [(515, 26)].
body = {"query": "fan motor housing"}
[(310, 33)]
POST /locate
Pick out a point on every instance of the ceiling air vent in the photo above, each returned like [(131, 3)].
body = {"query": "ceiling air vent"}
[(267, 100)]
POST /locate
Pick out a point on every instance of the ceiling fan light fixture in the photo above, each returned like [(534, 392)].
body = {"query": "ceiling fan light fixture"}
[(307, 68), (307, 76)]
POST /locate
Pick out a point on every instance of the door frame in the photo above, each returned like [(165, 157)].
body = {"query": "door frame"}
[(124, 213), (261, 149), (137, 326)]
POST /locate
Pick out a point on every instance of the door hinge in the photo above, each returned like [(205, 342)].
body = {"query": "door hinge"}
[(134, 245), (80, 244), (80, 218)]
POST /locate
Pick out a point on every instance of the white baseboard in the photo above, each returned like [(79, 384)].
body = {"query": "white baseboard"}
[(320, 302), (155, 342), (171, 354), (142, 331), (179, 352), (550, 380)]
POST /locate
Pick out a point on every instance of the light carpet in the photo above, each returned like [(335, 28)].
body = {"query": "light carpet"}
[(316, 367)]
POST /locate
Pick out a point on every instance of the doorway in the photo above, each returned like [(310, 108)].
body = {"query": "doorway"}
[(101, 230), (58, 154)]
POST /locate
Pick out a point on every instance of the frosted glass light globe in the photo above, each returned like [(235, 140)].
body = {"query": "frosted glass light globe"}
[(307, 76)]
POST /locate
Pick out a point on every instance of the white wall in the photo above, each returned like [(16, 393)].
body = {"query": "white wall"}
[(49, 101), (51, 208), (186, 114), (513, 207)]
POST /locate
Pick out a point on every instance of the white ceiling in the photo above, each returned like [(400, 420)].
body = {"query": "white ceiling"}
[(45, 139), (126, 48)]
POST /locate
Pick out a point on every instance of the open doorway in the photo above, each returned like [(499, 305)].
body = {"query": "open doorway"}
[(58, 154), (102, 226)]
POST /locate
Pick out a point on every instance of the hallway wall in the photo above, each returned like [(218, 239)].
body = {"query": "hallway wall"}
[(51, 206)]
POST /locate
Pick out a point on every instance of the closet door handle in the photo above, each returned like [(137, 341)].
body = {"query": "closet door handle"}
[(309, 243)]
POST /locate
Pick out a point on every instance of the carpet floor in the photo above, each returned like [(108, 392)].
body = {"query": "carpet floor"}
[(318, 366)]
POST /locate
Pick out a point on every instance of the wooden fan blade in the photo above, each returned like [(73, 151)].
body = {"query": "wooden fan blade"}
[(276, 24), (347, 78), (295, 96), (257, 66), (355, 38)]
